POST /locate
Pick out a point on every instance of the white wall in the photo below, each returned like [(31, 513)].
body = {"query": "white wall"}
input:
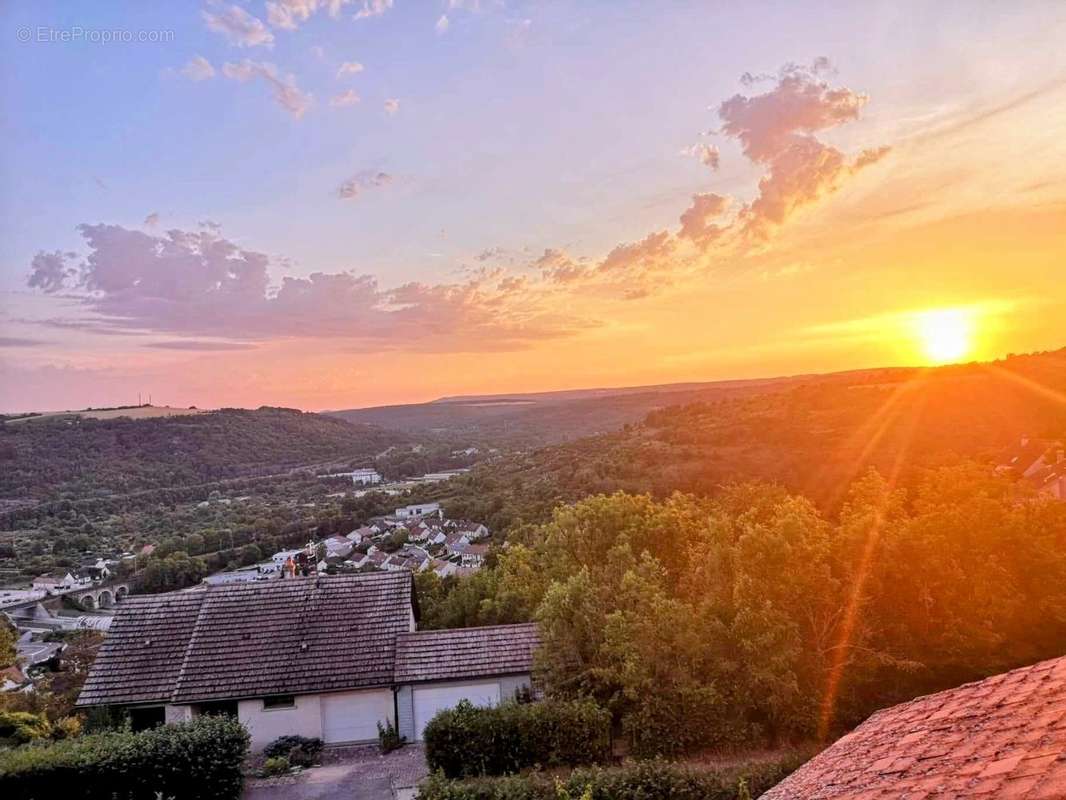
[(266, 725)]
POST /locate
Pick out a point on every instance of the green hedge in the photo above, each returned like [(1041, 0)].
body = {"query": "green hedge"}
[(468, 741), (198, 759), (643, 780)]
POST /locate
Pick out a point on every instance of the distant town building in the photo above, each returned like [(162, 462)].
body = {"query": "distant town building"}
[(360, 477), (417, 510)]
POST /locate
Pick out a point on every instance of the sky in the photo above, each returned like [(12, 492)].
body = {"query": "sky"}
[(339, 204)]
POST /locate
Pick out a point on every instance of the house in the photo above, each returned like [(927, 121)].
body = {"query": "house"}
[(366, 477), (1028, 456), (360, 534), (1051, 480), (434, 670), (473, 555), (13, 679), (55, 583), (443, 568), (473, 530), (417, 510), (338, 547), (455, 542), (325, 656), (1002, 737)]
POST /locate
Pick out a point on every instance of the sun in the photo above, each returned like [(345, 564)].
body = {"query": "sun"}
[(946, 335)]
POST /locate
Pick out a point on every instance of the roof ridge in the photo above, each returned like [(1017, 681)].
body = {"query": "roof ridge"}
[(963, 686), (473, 628), (188, 646)]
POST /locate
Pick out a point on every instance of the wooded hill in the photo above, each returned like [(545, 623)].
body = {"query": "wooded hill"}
[(78, 456), (813, 438)]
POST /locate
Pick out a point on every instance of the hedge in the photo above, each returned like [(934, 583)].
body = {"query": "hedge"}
[(468, 741), (198, 759), (642, 780)]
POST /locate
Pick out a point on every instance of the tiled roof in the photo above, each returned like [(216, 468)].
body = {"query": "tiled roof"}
[(248, 640), (465, 652), (141, 657), (1003, 737)]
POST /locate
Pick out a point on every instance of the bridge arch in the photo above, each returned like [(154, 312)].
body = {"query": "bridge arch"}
[(121, 592), (88, 601), (105, 599)]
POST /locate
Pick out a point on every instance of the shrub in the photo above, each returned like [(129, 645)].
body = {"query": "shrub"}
[(66, 728), (389, 738), (19, 727), (647, 780), (300, 756), (276, 765), (467, 741), (283, 746), (198, 759)]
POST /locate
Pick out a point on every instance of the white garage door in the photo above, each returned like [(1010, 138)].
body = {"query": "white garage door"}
[(431, 699), (354, 716)]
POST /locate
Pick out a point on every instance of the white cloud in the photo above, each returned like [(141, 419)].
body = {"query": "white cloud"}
[(198, 69), (344, 99), (442, 24), (392, 105), (349, 68), (373, 8), (286, 93), (239, 27), (152, 219)]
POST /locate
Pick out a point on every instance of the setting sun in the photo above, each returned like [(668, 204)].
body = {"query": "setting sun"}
[(946, 335)]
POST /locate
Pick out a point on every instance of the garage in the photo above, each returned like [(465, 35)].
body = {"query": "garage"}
[(354, 716), (429, 700)]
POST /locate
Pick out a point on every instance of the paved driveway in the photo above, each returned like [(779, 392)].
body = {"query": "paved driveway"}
[(348, 774)]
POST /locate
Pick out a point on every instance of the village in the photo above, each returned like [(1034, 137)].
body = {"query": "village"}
[(415, 538)]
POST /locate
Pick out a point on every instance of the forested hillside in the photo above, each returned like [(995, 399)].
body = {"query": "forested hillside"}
[(813, 438), (80, 457)]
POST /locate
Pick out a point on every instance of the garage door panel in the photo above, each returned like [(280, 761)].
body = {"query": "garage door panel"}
[(430, 700), (354, 716)]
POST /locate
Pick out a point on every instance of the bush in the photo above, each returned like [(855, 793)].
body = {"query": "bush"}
[(276, 765), (647, 780), (300, 756), (467, 741), (198, 759), (284, 745), (19, 727), (66, 728), (389, 738)]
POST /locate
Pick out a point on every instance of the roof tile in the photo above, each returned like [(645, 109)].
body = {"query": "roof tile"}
[(1004, 737)]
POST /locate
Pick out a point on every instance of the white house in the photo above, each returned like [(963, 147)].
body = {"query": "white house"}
[(366, 477), (472, 556), (326, 656), (417, 510), (338, 547), (55, 583)]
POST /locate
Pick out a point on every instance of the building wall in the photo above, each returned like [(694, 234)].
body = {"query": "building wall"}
[(266, 725)]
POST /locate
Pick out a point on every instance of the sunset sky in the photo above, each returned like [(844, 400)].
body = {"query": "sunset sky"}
[(338, 204)]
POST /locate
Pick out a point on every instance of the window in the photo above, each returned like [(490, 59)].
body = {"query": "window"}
[(280, 701)]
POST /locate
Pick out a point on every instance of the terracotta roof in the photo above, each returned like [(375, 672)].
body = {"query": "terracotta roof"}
[(292, 636), (1003, 737), (465, 652)]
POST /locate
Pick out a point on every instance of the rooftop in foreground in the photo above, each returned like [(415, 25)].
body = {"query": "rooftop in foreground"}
[(1003, 737)]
